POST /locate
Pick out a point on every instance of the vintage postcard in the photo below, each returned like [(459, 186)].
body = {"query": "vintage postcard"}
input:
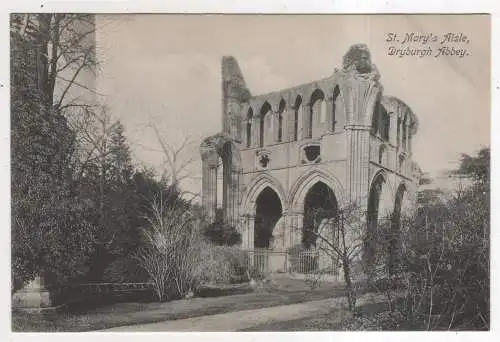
[(232, 172)]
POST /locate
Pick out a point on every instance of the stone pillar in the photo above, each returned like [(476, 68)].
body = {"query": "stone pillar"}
[(358, 163), (293, 234), (209, 159), (209, 185), (297, 236), (244, 232), (211, 190), (232, 189), (250, 232)]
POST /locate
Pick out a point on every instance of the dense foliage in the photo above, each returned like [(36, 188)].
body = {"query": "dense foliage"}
[(78, 202), (444, 268), (221, 234)]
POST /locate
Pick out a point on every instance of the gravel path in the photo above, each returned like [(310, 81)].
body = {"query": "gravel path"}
[(239, 320)]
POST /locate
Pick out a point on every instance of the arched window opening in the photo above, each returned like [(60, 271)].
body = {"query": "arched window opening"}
[(249, 127), (296, 117), (263, 112), (281, 109), (336, 93), (405, 129), (309, 124), (315, 112), (385, 124), (375, 120)]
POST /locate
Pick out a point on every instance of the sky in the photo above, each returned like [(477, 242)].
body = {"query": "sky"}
[(165, 70)]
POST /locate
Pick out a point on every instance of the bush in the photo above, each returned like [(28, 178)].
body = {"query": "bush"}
[(124, 270), (222, 234), (446, 262), (386, 320), (221, 264)]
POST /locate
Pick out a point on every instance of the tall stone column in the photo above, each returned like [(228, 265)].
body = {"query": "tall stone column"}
[(358, 163), (360, 98), (299, 223), (250, 232), (232, 192), (209, 159), (211, 190), (244, 232)]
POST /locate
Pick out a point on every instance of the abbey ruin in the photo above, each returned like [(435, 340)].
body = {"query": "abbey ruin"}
[(326, 143)]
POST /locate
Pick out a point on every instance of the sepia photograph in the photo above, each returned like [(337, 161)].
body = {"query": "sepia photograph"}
[(246, 172)]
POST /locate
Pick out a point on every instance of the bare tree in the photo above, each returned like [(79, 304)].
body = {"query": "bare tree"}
[(65, 47), (176, 159), (342, 239), (172, 252)]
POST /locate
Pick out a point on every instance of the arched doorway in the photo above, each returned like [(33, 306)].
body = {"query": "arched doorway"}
[(267, 213), (394, 241), (320, 203), (372, 218)]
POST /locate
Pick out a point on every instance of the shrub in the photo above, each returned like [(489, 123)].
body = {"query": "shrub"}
[(386, 320), (222, 234), (172, 251), (446, 262), (221, 264), (124, 270)]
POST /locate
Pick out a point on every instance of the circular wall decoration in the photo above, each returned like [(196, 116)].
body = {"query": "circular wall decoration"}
[(311, 154)]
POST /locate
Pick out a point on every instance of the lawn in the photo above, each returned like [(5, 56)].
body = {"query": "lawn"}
[(335, 320), (281, 291)]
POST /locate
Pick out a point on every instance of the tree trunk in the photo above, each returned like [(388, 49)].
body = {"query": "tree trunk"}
[(349, 288)]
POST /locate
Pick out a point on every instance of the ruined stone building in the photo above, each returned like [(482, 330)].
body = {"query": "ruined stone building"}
[(323, 144)]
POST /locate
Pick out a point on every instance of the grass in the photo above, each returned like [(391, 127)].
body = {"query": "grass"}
[(283, 291), (370, 317), (334, 320)]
